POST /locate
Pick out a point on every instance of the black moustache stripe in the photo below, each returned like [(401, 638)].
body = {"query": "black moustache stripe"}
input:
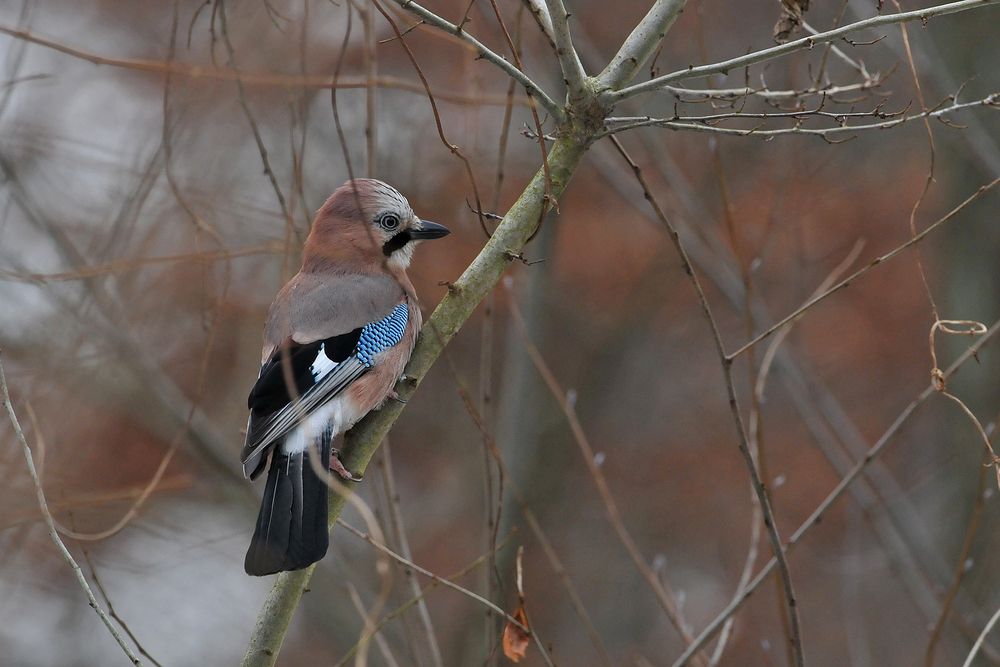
[(395, 243)]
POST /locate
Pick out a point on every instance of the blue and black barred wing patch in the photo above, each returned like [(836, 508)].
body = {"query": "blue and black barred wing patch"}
[(318, 378), (381, 335)]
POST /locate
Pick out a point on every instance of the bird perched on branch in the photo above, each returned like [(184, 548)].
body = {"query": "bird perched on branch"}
[(336, 340)]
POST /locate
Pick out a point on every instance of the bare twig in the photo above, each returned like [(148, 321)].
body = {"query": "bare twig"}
[(514, 50), (458, 575), (706, 635), (613, 97), (52, 528), (370, 630), (706, 123), (427, 573), (963, 557), (854, 276), (542, 18), (485, 53), (734, 94), (533, 522), (665, 597), (396, 515), (437, 116), (726, 362), (100, 587), (981, 639), (127, 265), (249, 78), (241, 95)]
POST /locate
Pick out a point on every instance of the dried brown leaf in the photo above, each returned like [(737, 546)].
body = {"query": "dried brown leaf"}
[(790, 19), (515, 640)]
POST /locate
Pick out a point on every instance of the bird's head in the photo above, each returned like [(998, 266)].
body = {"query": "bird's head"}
[(366, 221)]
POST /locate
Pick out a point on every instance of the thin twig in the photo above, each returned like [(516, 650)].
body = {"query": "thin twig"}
[(981, 639), (930, 170), (613, 97), (706, 123), (249, 78), (733, 94), (533, 523), (458, 575), (100, 587), (726, 363), (52, 528), (128, 265), (427, 573), (706, 635), (241, 95), (857, 274), (437, 116), (514, 50), (383, 645), (665, 597), (396, 516), (485, 53), (961, 568)]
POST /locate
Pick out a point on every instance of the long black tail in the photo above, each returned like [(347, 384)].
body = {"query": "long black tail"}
[(291, 530)]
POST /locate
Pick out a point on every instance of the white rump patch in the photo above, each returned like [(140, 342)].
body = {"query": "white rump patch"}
[(336, 416)]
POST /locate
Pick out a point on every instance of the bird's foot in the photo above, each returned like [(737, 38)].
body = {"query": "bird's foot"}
[(338, 467), (396, 397)]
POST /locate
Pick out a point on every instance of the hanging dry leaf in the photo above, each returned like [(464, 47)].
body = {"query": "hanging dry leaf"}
[(790, 19), (515, 640)]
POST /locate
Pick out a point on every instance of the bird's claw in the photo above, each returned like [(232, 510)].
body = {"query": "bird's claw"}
[(396, 397), (338, 467)]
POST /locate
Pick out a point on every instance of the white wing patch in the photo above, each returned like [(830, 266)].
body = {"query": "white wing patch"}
[(322, 366)]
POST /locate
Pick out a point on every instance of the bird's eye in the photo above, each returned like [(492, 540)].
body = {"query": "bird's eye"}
[(389, 221)]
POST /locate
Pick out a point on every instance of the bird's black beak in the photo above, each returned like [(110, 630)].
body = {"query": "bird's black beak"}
[(431, 230)]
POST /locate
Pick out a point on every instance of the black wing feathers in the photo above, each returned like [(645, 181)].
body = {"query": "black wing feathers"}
[(270, 393), (291, 531)]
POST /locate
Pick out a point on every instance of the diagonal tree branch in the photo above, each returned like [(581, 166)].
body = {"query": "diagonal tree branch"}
[(453, 311), (569, 61), (50, 524), (485, 53), (612, 97), (639, 46)]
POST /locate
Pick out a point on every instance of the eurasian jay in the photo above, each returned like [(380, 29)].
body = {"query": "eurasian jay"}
[(336, 340)]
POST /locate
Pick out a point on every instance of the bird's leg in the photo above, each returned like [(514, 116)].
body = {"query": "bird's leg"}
[(338, 467), (396, 397)]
